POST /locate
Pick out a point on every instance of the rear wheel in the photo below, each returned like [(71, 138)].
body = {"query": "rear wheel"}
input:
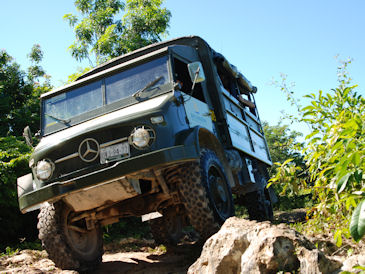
[(259, 206), (206, 194), (67, 241), (168, 228)]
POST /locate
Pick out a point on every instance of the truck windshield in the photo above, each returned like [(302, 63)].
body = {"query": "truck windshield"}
[(65, 109)]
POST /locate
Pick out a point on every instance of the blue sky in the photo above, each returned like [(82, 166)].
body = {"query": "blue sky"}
[(262, 38)]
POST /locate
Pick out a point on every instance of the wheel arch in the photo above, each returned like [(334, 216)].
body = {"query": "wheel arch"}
[(201, 137), (208, 140)]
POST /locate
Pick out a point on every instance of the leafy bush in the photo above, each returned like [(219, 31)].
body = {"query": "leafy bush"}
[(283, 144), (288, 172), (335, 157), (335, 154), (289, 181), (14, 154), (125, 228)]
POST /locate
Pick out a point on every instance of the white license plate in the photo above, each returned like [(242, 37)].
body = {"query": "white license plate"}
[(114, 152)]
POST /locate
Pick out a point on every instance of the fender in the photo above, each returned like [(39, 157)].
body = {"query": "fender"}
[(201, 137), (25, 184)]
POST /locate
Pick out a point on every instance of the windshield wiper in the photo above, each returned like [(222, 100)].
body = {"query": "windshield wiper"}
[(150, 84), (59, 119)]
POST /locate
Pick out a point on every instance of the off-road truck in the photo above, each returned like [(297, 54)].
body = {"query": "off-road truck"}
[(170, 130)]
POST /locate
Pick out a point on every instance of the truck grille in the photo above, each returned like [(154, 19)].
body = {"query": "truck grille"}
[(82, 155)]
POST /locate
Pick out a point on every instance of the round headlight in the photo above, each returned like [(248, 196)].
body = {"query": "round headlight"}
[(44, 170), (142, 137)]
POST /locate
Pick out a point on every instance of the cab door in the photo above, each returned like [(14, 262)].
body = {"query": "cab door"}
[(196, 107)]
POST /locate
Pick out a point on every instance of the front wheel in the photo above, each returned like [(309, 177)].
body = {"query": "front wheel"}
[(68, 242), (206, 193)]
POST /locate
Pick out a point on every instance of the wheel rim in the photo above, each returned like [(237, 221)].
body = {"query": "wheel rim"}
[(220, 192), (82, 241)]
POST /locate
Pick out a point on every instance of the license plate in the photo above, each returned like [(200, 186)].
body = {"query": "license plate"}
[(114, 152)]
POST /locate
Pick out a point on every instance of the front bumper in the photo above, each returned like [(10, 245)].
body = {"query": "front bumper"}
[(55, 191)]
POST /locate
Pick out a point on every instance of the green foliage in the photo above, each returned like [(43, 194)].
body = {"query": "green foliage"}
[(19, 106), (77, 74), (357, 225), (144, 21), (289, 181), (335, 153), (14, 154), (35, 56), (288, 172), (127, 227), (287, 177), (100, 36), (19, 94), (283, 143), (11, 250), (14, 94), (335, 157)]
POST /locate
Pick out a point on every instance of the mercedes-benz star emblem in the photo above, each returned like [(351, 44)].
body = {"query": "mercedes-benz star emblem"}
[(89, 150)]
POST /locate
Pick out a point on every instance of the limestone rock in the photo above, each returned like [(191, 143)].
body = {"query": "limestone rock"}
[(243, 246), (352, 261)]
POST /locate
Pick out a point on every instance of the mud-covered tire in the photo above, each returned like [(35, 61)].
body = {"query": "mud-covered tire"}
[(259, 206), (167, 229), (206, 194), (67, 248)]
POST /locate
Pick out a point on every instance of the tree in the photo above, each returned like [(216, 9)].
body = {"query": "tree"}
[(100, 36), (35, 71), (288, 175), (283, 144), (19, 93), (145, 21), (19, 107)]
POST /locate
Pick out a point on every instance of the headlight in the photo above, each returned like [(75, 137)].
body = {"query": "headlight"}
[(141, 137), (44, 169)]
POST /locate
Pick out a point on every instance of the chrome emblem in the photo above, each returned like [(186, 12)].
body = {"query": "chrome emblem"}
[(89, 150)]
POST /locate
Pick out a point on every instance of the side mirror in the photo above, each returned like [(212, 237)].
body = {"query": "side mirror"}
[(196, 72), (38, 135), (27, 134)]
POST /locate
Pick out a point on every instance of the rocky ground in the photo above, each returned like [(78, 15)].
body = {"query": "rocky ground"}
[(126, 256), (143, 256)]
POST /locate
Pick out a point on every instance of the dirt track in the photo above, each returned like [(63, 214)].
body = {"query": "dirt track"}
[(131, 256)]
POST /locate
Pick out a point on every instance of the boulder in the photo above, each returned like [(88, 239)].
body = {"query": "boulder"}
[(243, 246), (352, 261)]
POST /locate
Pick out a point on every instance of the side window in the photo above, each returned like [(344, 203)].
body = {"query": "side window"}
[(230, 84), (247, 102), (181, 76)]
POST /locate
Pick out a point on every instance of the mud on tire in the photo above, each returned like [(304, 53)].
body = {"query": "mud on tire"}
[(206, 193), (67, 248)]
